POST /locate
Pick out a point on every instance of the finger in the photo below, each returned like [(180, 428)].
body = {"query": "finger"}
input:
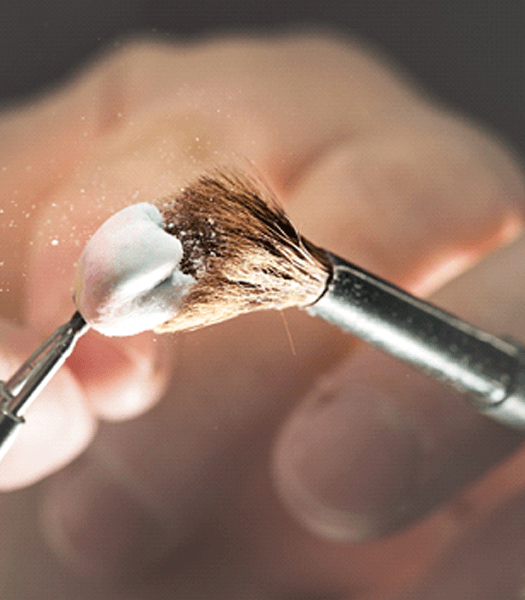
[(487, 564), (58, 427), (377, 446), (225, 396), (381, 199), (166, 129), (371, 448)]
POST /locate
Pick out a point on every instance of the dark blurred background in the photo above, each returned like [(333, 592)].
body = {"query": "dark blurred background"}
[(469, 53)]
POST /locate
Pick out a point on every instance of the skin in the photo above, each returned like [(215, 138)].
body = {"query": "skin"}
[(254, 468)]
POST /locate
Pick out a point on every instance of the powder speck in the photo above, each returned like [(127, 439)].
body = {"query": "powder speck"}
[(54, 242)]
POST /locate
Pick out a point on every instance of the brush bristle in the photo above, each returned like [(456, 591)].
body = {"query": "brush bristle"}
[(242, 251)]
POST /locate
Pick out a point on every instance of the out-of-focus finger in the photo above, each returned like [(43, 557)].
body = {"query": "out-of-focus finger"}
[(58, 426), (377, 446), (371, 449), (42, 144), (416, 205)]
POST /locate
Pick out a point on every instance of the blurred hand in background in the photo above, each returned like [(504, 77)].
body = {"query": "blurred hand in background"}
[(228, 464)]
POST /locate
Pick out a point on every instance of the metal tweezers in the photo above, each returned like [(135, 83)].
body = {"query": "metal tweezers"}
[(23, 387)]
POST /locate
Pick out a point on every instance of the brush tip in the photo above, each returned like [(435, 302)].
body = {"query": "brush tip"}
[(219, 248), (128, 278)]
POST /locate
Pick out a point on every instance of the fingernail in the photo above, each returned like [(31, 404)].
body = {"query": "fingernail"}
[(345, 463), (100, 527)]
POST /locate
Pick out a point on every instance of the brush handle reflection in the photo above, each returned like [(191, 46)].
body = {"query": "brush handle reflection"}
[(488, 370)]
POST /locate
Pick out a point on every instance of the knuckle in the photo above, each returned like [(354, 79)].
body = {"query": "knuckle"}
[(133, 54), (127, 78)]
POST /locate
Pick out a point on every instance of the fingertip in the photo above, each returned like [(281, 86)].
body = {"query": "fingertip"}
[(379, 446), (345, 465), (58, 427), (101, 379)]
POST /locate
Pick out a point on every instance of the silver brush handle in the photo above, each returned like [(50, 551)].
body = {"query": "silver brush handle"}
[(488, 370)]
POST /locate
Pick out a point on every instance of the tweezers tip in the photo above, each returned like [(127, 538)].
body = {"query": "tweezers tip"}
[(78, 323)]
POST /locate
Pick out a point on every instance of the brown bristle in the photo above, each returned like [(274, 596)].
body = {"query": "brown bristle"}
[(242, 251)]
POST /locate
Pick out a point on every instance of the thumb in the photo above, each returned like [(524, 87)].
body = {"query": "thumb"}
[(378, 446)]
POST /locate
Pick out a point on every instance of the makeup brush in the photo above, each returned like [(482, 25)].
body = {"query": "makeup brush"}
[(222, 247)]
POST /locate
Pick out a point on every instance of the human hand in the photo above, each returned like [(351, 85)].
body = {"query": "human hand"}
[(180, 502)]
